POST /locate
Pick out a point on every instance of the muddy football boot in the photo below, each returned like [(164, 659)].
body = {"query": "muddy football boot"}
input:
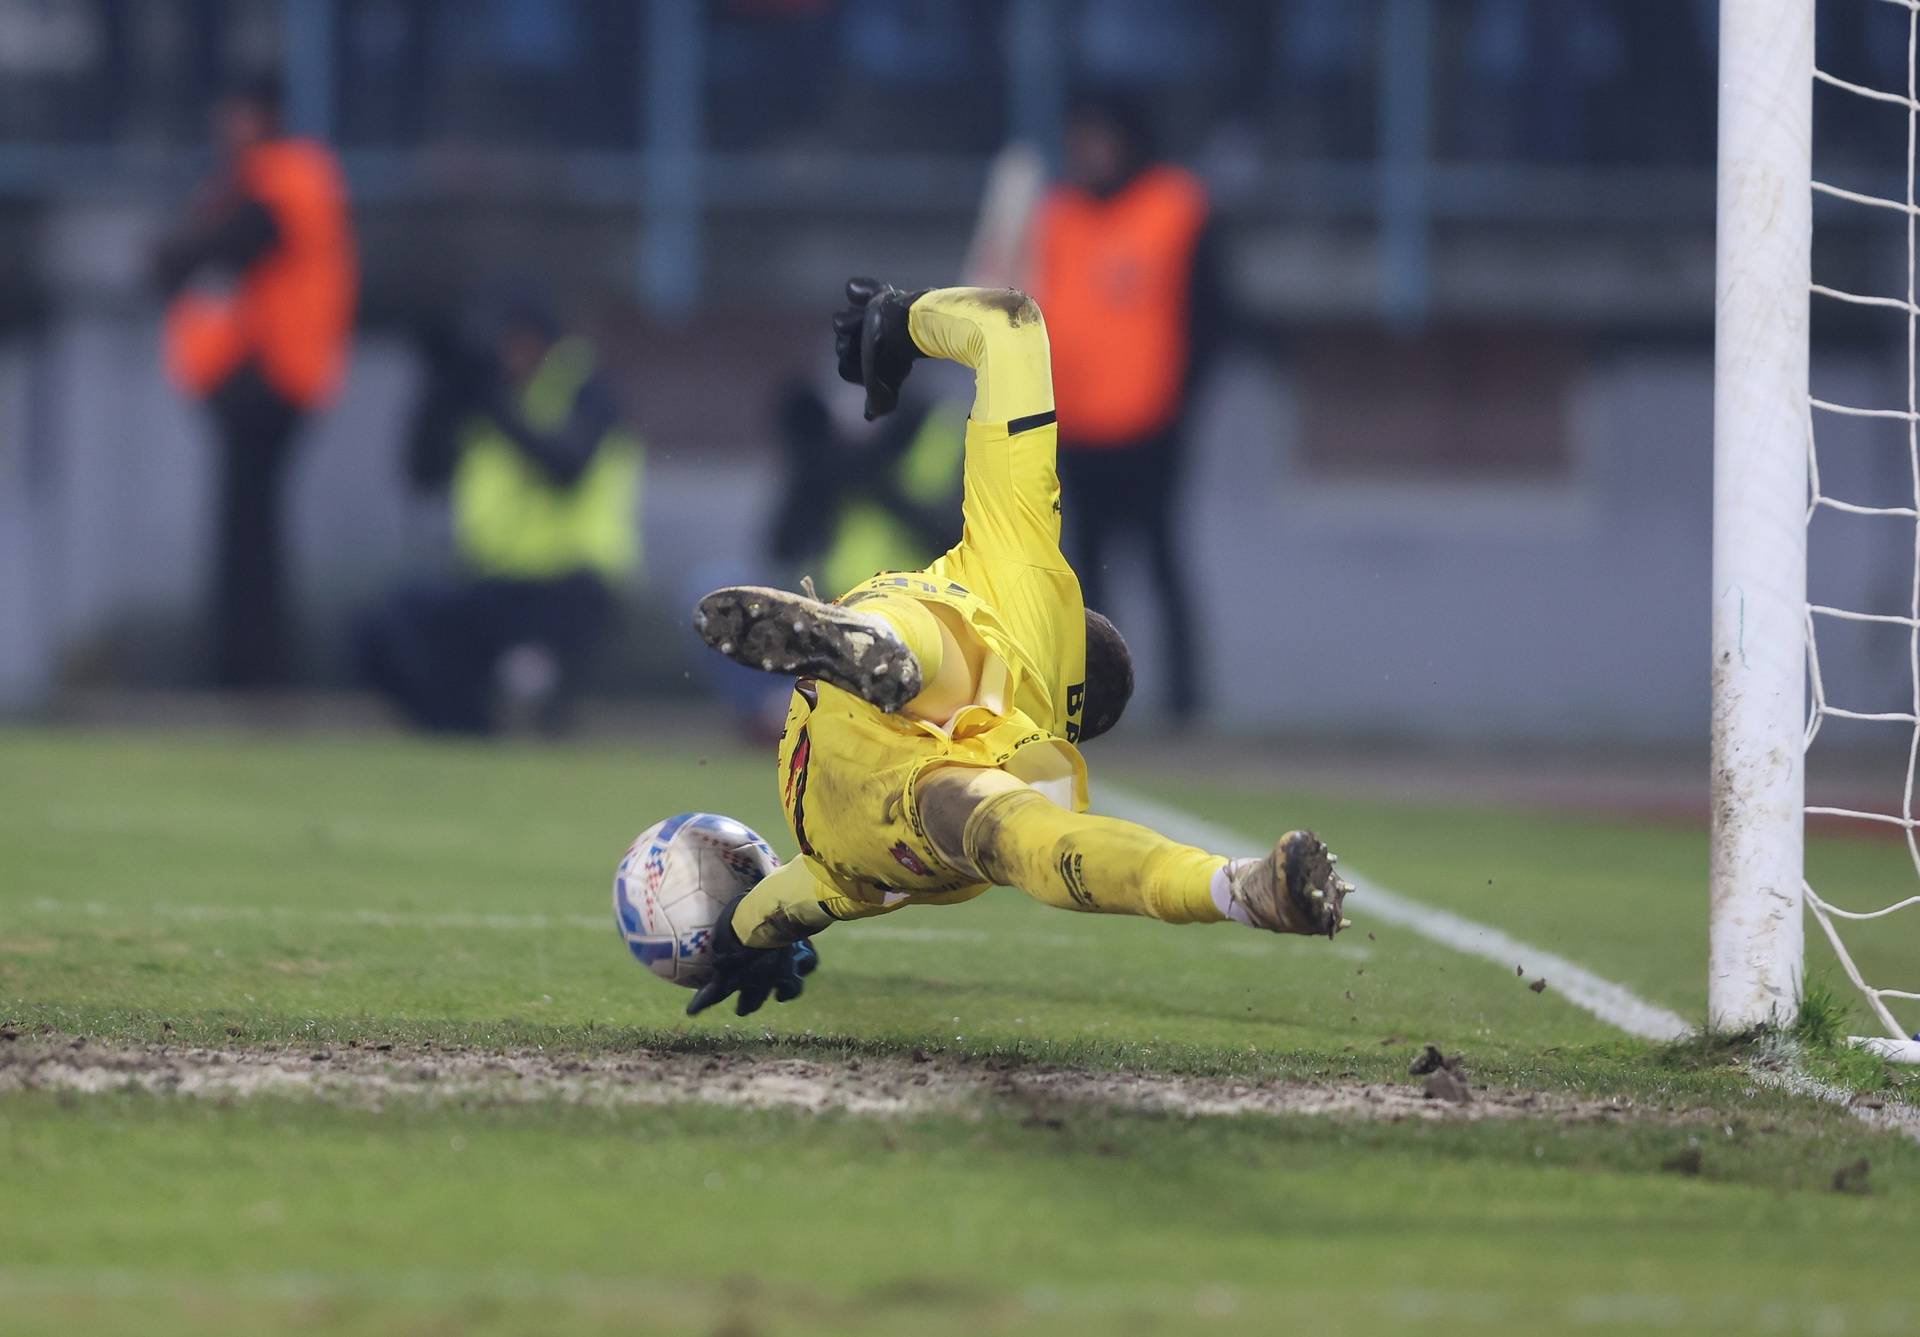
[(778, 632), (1292, 890)]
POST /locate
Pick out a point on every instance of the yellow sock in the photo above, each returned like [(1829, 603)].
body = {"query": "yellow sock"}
[(1020, 838)]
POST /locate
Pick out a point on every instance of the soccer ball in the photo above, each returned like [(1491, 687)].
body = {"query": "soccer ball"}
[(673, 882)]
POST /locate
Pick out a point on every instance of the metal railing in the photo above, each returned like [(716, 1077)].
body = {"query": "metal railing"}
[(1403, 184)]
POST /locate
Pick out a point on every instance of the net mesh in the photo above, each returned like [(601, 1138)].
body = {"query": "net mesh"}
[(1840, 923)]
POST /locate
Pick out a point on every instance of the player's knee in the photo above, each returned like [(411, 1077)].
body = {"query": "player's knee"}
[(949, 799), (946, 805), (1008, 836)]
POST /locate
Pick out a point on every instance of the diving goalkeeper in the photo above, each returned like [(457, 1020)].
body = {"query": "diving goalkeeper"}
[(930, 749)]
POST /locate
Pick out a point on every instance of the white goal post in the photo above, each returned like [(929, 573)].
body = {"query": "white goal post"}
[(1765, 491)]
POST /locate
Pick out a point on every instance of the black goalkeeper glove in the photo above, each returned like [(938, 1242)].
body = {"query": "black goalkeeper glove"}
[(870, 339), (752, 972)]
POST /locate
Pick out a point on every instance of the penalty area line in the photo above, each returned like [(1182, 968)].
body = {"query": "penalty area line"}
[(1615, 1004)]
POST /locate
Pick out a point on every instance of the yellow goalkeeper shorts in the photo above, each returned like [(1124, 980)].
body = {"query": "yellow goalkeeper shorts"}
[(848, 776)]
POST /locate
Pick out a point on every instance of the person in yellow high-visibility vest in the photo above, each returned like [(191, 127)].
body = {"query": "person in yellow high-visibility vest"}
[(878, 501), (850, 502), (544, 484)]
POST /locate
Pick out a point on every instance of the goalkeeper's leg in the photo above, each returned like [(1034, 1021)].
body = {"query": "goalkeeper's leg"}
[(889, 649), (994, 826)]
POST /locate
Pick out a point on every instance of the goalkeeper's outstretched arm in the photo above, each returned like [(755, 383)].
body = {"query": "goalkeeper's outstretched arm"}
[(999, 333), (1012, 492)]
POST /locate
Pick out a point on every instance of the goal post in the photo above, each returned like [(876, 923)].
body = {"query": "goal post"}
[(1770, 694), (1761, 429)]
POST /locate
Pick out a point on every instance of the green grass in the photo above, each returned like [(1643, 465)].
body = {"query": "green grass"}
[(1624, 898), (252, 891), (942, 1225)]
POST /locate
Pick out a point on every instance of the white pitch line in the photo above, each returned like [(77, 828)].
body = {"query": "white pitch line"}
[(1890, 1114), (1612, 1003)]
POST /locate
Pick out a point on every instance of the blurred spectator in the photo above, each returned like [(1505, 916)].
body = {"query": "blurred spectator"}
[(1126, 266), (853, 499), (882, 499), (522, 431), (261, 280)]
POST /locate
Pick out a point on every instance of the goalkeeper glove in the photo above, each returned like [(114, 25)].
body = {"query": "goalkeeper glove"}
[(871, 341), (752, 972)]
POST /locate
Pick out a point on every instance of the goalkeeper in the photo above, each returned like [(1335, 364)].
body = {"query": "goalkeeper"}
[(930, 744)]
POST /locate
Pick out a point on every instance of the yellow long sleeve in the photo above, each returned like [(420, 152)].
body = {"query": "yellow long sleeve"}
[(999, 333)]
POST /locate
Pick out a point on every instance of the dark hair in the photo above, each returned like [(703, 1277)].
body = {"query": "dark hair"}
[(1109, 677), (1126, 116), (264, 91)]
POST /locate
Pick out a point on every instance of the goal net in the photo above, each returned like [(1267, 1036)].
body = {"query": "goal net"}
[(1775, 700)]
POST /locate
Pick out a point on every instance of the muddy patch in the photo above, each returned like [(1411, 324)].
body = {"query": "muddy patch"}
[(1015, 305), (372, 1077)]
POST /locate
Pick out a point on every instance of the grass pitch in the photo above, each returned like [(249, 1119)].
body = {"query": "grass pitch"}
[(313, 895)]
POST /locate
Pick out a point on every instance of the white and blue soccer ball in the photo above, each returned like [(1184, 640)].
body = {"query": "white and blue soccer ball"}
[(673, 882)]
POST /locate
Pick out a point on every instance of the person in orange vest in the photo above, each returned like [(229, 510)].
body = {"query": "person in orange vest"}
[(1125, 263), (260, 282)]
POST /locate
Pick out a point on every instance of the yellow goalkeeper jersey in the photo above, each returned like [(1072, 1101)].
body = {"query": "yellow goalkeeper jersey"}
[(1008, 580), (847, 771)]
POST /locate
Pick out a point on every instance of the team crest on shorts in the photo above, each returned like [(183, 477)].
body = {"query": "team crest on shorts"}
[(910, 861)]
